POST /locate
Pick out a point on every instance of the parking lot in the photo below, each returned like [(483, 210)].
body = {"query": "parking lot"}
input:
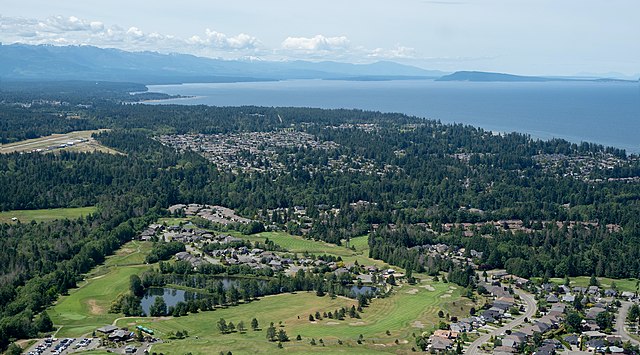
[(53, 346)]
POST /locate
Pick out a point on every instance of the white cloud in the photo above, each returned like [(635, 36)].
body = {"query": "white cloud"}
[(60, 24), (135, 32), (399, 52), (321, 47), (75, 31), (316, 43), (96, 26), (219, 40), (72, 30)]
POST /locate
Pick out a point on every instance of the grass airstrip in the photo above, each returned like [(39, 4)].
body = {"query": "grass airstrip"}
[(26, 216), (76, 141)]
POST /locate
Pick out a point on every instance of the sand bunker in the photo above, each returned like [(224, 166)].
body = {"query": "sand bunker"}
[(94, 308)]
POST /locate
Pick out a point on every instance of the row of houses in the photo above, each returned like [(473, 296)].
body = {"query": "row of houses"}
[(556, 301), (499, 309), (188, 233), (216, 214)]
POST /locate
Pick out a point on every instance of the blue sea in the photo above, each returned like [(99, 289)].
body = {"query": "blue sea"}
[(602, 112)]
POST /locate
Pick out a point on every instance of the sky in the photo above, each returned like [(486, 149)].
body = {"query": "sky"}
[(530, 37)]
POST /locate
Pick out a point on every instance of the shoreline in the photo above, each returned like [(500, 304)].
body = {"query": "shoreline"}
[(178, 97), (437, 101)]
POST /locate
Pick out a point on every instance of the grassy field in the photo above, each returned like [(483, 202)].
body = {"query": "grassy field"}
[(411, 309), (360, 243), (173, 221), (605, 282), (26, 216), (86, 307), (88, 144)]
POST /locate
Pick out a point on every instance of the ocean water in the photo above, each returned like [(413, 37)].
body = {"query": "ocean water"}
[(602, 112)]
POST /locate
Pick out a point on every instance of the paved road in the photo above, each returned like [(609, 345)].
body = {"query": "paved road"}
[(530, 304), (620, 320)]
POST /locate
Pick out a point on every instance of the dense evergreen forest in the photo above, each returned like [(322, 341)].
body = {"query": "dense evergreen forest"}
[(414, 175)]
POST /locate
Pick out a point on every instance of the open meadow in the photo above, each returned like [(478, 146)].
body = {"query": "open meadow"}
[(86, 307), (26, 216)]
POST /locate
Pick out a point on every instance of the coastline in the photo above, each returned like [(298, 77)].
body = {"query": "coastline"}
[(178, 97), (603, 113)]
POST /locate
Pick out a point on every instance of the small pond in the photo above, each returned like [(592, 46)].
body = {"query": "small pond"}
[(171, 296), (359, 290)]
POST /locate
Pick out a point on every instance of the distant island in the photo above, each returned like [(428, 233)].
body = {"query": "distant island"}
[(480, 76)]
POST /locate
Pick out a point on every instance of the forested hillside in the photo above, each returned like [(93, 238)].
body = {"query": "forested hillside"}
[(407, 181)]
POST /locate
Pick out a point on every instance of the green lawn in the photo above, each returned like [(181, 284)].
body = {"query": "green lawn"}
[(86, 308), (26, 216), (605, 282), (401, 314), (173, 221), (360, 243), (408, 310)]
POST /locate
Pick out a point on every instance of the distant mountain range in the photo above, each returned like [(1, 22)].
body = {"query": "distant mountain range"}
[(21, 62), (46, 62)]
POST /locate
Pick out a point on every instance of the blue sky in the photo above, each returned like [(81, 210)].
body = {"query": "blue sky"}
[(553, 37)]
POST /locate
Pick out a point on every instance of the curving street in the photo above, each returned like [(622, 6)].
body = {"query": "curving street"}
[(531, 306), (620, 321)]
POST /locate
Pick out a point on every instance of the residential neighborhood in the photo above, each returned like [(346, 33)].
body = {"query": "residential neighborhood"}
[(269, 151), (521, 316)]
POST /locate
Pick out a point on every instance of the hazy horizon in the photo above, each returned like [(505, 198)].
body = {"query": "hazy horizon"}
[(526, 37)]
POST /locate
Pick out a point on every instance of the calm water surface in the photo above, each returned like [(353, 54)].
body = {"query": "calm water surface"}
[(603, 112)]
